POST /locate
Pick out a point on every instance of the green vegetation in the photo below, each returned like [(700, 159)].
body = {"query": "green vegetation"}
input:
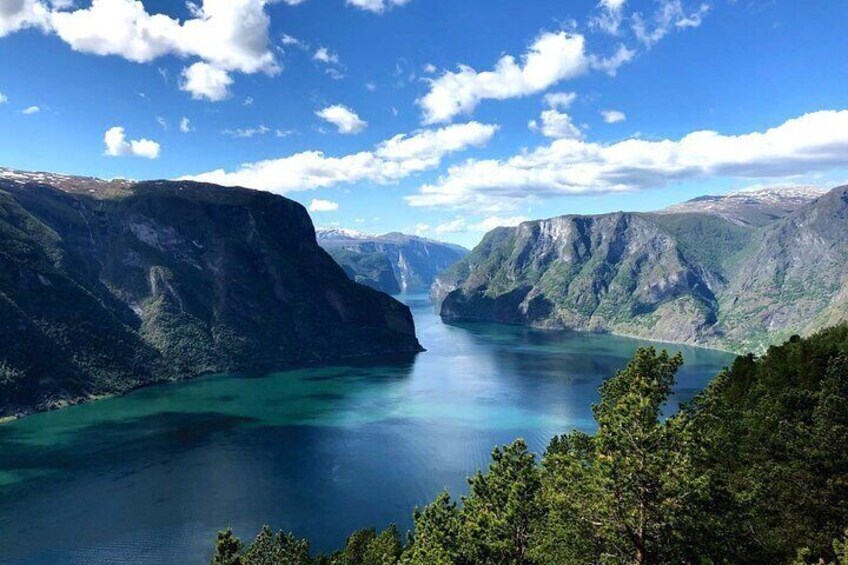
[(691, 277), (754, 470), (101, 293)]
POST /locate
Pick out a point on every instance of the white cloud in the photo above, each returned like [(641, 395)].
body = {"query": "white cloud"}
[(185, 125), (610, 17), (611, 64), (118, 146), (669, 16), (557, 125), (460, 225), (613, 116), (493, 222), (204, 81), (390, 161), (324, 55), (31, 110), (3, 98), (16, 15), (345, 119), (551, 58), (453, 226), (246, 133), (318, 205), (290, 40), (560, 100), (430, 68), (814, 142), (162, 122), (225, 35), (376, 6)]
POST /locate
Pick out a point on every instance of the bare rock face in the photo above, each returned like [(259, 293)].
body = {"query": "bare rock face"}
[(733, 276), (107, 286)]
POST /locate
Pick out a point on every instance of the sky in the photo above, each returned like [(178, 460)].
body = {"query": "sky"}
[(442, 118)]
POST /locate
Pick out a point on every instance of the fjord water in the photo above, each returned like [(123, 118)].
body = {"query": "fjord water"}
[(150, 477)]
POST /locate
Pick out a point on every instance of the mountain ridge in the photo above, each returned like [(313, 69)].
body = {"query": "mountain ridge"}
[(681, 276), (393, 262)]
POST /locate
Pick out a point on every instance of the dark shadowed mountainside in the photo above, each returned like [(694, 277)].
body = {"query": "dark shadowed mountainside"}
[(110, 285)]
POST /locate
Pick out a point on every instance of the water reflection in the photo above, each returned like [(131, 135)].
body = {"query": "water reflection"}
[(149, 477)]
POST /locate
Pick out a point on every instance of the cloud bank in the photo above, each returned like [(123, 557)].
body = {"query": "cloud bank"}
[(389, 161), (813, 142)]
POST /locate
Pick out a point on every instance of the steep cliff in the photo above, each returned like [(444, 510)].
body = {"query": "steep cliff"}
[(107, 286), (725, 276)]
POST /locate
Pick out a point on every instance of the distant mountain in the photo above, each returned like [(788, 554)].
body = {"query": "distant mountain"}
[(393, 262), (738, 272), (751, 207), (109, 285)]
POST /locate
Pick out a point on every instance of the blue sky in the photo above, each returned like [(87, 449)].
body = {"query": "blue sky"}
[(506, 110)]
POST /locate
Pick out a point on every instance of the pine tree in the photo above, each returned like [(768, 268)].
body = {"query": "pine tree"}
[(228, 549), (501, 508)]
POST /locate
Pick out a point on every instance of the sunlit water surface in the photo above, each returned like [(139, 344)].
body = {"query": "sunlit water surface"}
[(150, 477)]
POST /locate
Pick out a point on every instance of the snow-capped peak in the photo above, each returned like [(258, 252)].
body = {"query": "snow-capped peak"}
[(341, 233)]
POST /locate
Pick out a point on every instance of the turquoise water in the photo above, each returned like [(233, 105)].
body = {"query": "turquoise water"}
[(150, 477)]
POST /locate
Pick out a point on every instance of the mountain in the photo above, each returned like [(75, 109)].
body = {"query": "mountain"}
[(751, 207), (720, 271), (110, 285), (393, 262)]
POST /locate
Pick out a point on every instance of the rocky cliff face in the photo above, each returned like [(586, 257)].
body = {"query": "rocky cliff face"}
[(393, 262), (694, 277), (107, 286)]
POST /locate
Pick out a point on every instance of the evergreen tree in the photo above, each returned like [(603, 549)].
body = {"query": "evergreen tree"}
[(228, 549), (623, 494), (435, 540), (501, 508)]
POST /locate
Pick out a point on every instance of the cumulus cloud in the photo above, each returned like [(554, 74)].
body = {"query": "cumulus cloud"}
[(16, 15), (31, 110), (560, 100), (376, 6), (118, 146), (204, 81), (814, 142), (613, 116), (345, 119), (3, 98), (551, 58), (225, 35), (557, 125), (318, 205), (185, 125), (388, 162)]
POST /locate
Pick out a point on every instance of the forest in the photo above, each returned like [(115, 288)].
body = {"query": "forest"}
[(753, 470)]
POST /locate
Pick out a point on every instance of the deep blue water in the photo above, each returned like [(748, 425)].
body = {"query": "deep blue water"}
[(151, 476)]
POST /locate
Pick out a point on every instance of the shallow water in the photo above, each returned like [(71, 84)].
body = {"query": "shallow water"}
[(151, 476)]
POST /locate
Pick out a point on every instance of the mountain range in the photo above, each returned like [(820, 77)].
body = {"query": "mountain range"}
[(394, 262), (739, 272), (106, 286)]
